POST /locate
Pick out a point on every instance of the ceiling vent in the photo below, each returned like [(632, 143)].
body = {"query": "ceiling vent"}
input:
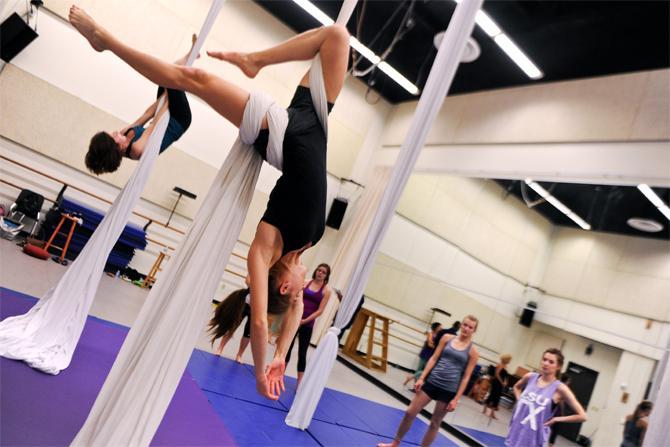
[(646, 225)]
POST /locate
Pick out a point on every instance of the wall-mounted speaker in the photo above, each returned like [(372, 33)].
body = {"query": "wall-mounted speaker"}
[(15, 35), (528, 314), (336, 214)]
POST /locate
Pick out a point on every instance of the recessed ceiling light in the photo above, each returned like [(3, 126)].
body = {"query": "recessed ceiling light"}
[(489, 26), (646, 225), (471, 51)]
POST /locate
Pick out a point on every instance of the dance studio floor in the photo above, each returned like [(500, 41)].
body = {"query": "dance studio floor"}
[(215, 403)]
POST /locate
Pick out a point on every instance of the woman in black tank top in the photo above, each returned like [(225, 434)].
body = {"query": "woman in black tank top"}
[(294, 220)]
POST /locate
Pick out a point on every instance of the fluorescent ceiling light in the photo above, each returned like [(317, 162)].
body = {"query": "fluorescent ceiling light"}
[(537, 188), (315, 12), (655, 199), (397, 77), (557, 203), (515, 53), (362, 49), (487, 24)]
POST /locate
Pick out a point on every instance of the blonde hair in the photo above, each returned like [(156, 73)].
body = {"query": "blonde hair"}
[(505, 358), (472, 318)]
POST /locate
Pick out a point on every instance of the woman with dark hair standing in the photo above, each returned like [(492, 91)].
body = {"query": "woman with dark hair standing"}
[(636, 425), (294, 219), (315, 296), (426, 352), (533, 414)]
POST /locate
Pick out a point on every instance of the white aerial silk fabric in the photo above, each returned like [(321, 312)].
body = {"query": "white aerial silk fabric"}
[(46, 336), (432, 98), (153, 357), (349, 249)]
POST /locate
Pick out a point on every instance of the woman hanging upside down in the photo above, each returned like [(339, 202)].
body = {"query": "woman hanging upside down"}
[(108, 148), (295, 216)]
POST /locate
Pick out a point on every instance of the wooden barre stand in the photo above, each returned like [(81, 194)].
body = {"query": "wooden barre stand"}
[(368, 319)]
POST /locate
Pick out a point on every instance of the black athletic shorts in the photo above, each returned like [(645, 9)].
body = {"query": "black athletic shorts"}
[(178, 106), (247, 326), (437, 393)]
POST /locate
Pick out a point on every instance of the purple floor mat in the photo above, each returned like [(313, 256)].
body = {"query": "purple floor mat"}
[(41, 409)]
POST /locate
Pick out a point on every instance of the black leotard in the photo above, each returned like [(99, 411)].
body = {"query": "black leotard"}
[(297, 204)]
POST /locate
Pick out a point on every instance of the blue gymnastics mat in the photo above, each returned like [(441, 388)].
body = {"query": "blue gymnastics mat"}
[(488, 439), (340, 418)]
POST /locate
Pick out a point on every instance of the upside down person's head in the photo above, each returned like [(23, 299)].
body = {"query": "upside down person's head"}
[(105, 152), (285, 281)]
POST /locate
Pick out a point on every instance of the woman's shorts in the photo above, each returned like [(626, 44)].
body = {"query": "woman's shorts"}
[(437, 393)]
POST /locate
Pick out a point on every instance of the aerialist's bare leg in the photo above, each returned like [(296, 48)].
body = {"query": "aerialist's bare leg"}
[(224, 97), (331, 42)]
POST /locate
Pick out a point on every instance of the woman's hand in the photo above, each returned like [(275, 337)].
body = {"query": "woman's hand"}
[(452, 404), (550, 422), (274, 374), (263, 388), (418, 385)]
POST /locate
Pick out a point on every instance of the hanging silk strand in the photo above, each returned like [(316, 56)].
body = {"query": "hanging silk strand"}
[(153, 357), (437, 86)]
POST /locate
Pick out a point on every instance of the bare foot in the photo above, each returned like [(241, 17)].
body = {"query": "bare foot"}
[(238, 359), (87, 27), (243, 61), (194, 37), (390, 444)]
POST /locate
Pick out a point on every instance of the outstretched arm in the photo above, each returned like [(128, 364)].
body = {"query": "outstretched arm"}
[(142, 120), (258, 263), (289, 327), (141, 143)]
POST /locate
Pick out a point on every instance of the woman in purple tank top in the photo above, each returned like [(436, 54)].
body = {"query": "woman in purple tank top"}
[(315, 296), (533, 415)]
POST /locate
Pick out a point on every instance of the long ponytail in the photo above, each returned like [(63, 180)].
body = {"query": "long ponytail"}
[(228, 315)]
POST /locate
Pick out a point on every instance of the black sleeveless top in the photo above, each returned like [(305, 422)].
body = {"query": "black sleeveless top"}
[(297, 204)]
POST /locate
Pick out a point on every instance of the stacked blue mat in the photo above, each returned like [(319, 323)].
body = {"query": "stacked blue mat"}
[(340, 418), (132, 238)]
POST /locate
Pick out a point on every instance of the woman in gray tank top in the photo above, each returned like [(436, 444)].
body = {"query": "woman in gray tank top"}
[(443, 379)]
